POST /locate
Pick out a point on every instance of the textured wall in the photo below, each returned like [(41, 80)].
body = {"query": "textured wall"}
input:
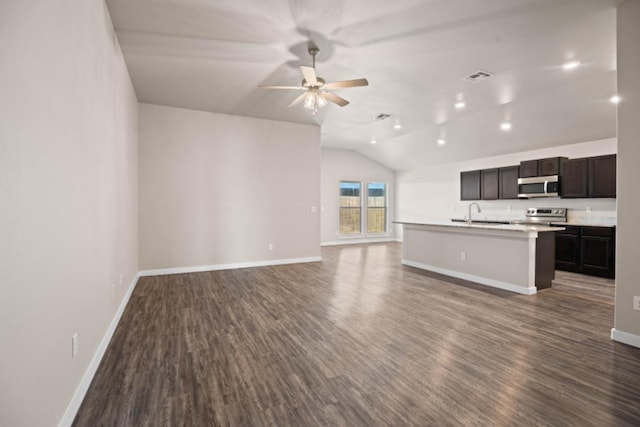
[(68, 199), (218, 189), (627, 267)]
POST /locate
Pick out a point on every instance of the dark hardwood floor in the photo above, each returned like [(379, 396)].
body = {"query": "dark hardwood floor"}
[(360, 340)]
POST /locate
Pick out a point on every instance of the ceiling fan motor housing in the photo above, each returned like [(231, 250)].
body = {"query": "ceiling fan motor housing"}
[(321, 82)]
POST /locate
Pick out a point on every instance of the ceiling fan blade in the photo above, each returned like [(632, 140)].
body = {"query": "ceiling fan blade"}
[(309, 75), (347, 83), (282, 87), (335, 99), (298, 100)]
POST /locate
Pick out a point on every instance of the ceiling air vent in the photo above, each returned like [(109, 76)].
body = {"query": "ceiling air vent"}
[(478, 75), (382, 116)]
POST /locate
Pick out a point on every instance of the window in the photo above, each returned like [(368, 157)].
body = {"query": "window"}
[(376, 207), (350, 207)]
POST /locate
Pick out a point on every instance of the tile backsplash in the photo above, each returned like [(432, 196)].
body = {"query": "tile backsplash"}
[(576, 216)]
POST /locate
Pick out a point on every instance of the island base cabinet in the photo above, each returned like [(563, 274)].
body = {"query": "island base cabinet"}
[(520, 259), (545, 257)]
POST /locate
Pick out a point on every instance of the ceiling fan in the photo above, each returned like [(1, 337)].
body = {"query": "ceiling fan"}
[(317, 89)]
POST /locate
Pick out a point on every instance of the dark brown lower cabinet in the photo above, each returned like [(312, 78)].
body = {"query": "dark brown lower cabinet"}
[(586, 250), (568, 249)]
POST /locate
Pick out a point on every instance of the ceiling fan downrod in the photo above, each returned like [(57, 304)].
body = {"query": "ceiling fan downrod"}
[(313, 51)]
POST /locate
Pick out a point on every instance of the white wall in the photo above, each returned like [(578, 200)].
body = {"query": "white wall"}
[(627, 321), (68, 199), (433, 193), (216, 189), (345, 165)]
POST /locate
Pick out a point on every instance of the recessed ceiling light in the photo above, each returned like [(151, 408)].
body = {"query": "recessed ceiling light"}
[(571, 65), (615, 99), (441, 142), (460, 105), (505, 126), (373, 140), (398, 125)]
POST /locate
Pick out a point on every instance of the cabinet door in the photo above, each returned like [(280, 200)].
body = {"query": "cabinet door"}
[(508, 182), (549, 166), (567, 251), (528, 168), (470, 185), (602, 176), (573, 178), (489, 180), (597, 248)]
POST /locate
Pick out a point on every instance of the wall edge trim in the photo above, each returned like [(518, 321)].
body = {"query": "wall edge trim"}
[(230, 266), (82, 388), (358, 241), (625, 337), (473, 278)]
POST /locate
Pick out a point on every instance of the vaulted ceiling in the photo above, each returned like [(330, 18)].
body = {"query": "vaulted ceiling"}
[(212, 55)]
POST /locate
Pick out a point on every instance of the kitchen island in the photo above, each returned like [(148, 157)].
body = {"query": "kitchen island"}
[(516, 258)]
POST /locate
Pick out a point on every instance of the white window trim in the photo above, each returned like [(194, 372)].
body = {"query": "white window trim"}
[(363, 222)]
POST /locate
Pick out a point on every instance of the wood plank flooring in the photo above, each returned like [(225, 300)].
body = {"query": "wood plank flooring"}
[(360, 340)]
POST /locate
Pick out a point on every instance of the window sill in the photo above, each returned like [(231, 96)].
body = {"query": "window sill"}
[(362, 236)]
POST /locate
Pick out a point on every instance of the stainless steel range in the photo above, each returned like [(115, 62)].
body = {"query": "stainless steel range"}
[(543, 216)]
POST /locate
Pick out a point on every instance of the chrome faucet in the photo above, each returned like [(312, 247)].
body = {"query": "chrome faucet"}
[(470, 205)]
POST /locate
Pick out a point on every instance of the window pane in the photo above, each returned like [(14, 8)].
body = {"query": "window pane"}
[(376, 207), (350, 207)]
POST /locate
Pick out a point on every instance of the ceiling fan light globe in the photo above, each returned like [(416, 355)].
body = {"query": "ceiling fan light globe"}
[(310, 101), (321, 101)]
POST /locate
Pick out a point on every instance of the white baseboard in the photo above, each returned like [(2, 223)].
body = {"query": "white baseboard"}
[(472, 278), (85, 382), (625, 337), (359, 241), (214, 267)]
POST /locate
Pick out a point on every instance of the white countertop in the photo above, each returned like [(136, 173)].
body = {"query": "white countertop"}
[(500, 227), (586, 224)]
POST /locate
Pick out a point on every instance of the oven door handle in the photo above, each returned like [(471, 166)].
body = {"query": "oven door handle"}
[(545, 187)]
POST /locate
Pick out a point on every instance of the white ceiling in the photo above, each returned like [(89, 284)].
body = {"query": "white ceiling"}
[(212, 54)]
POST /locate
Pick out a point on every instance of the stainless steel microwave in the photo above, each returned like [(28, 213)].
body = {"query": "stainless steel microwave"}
[(539, 186)]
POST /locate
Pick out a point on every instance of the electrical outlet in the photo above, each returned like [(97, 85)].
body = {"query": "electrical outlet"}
[(636, 303), (270, 246), (463, 256), (314, 209), (74, 345)]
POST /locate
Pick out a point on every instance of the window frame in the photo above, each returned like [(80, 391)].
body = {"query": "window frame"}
[(359, 207), (386, 209), (364, 210)]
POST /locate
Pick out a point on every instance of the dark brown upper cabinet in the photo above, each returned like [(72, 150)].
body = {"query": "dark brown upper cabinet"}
[(602, 176), (470, 185), (573, 178), (508, 182), (528, 168), (489, 184), (541, 167), (589, 177)]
